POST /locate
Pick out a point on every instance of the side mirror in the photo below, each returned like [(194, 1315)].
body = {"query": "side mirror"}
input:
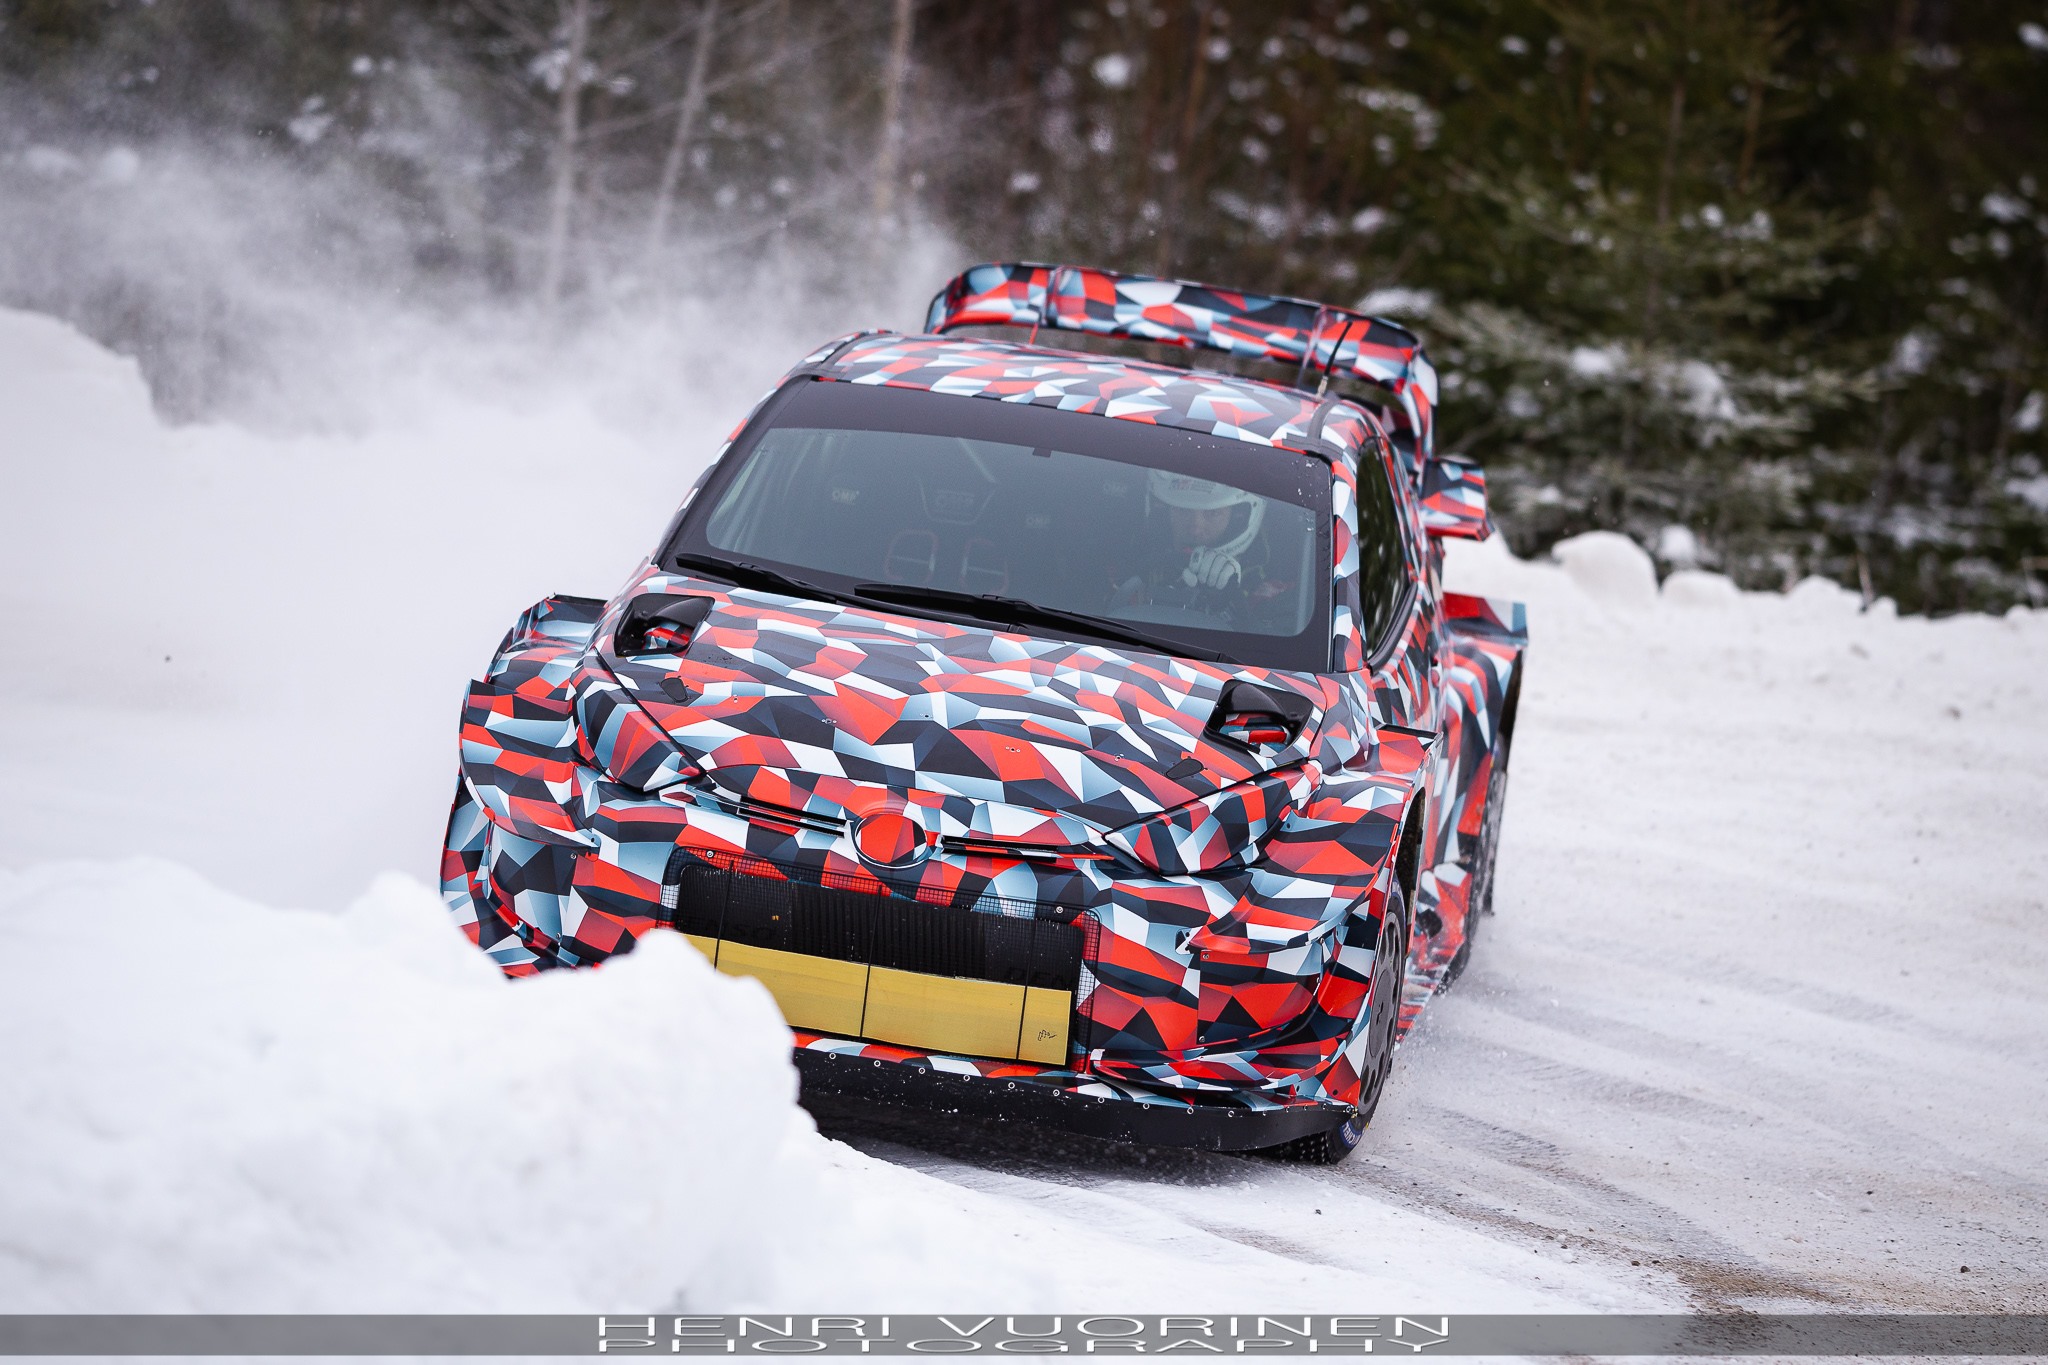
[(1454, 500)]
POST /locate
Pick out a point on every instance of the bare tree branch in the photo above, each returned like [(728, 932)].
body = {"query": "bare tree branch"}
[(895, 77), (510, 21), (713, 86), (686, 119), (562, 194)]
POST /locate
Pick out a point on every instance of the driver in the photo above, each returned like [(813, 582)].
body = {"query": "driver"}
[(1213, 556)]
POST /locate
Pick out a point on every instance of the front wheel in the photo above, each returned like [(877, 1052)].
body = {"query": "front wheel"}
[(1383, 1005)]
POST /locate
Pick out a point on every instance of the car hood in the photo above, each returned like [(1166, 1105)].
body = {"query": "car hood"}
[(773, 686)]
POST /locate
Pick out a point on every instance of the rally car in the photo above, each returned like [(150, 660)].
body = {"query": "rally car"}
[(1055, 734)]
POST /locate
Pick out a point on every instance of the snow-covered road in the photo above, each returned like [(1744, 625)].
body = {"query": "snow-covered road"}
[(1760, 1018), (1759, 1021)]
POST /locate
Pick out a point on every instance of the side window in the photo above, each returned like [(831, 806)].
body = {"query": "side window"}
[(1382, 566)]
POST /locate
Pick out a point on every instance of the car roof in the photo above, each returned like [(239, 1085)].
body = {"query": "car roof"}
[(1248, 410)]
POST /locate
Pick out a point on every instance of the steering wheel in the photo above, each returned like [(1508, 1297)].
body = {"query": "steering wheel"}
[(1130, 593)]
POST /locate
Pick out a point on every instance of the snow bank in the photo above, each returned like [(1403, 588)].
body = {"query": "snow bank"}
[(1609, 568), (221, 1107), (217, 1107)]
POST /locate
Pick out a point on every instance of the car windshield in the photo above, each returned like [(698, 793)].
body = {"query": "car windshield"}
[(941, 504)]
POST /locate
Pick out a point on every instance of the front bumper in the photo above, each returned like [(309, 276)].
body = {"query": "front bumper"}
[(1196, 1014)]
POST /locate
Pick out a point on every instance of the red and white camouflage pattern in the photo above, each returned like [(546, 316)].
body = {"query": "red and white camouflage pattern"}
[(1229, 895)]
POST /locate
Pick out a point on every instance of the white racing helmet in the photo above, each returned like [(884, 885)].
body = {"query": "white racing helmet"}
[(1206, 495)]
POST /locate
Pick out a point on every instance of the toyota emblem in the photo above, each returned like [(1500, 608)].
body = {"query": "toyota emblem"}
[(890, 838)]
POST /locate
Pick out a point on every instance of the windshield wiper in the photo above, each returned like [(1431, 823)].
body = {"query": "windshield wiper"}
[(747, 574), (1015, 611)]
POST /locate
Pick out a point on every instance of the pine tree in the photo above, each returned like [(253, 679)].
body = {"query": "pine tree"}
[(1643, 351)]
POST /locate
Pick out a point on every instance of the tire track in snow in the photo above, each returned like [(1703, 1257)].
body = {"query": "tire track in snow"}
[(1759, 1011)]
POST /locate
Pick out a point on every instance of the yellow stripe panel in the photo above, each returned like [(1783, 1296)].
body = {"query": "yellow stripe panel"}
[(942, 1013), (812, 992), (1044, 1035), (881, 1004)]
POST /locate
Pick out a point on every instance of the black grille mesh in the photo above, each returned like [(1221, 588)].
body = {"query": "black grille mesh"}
[(881, 931)]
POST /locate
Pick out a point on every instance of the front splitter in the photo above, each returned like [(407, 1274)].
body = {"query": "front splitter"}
[(1161, 1120)]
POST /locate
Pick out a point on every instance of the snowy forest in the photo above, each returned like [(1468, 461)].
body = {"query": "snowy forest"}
[(1761, 283)]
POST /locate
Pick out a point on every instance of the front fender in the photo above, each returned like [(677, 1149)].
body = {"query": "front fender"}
[(1332, 852), (1284, 973), (520, 760), (548, 721)]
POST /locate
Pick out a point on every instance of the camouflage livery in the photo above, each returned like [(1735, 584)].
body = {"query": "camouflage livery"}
[(1221, 900)]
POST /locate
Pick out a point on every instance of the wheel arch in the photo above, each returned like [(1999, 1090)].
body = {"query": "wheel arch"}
[(1408, 849), (1511, 703)]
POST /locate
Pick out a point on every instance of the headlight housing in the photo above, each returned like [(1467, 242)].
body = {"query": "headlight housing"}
[(1219, 830)]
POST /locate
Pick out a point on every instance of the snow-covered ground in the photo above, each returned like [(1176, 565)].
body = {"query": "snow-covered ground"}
[(1758, 1023)]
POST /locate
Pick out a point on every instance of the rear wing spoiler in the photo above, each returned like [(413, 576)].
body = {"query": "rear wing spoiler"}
[(1317, 339)]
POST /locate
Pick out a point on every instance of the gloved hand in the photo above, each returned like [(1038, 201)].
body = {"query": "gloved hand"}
[(1209, 567)]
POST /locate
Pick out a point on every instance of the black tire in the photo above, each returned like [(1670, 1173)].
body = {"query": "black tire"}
[(1488, 850), (1389, 972)]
